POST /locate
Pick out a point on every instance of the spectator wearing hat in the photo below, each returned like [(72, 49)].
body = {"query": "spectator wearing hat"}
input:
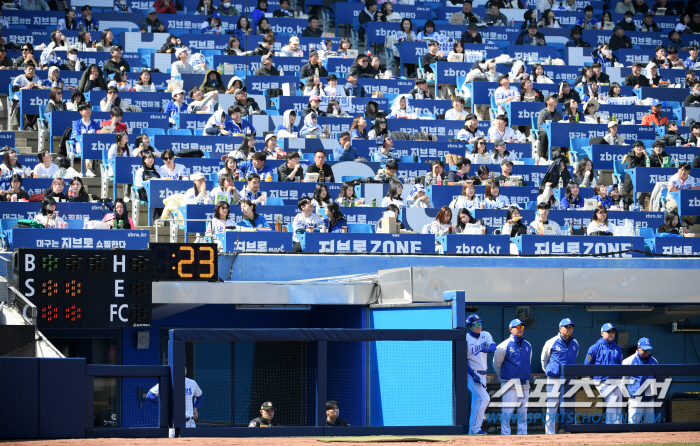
[(587, 21), (471, 35), (675, 39), (506, 168), (267, 69), (292, 48), (351, 87), (421, 91), (671, 138), (636, 79), (72, 64), (627, 22), (115, 63), (648, 24), (344, 151), (151, 21), (312, 30), (690, 78), (212, 25), (432, 57), (466, 17), (246, 103), (313, 106), (655, 117), (177, 105), (612, 137), (619, 40), (313, 67), (531, 36), (576, 40), (180, 66)]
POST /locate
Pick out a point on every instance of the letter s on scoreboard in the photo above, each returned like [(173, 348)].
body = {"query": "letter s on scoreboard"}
[(185, 262)]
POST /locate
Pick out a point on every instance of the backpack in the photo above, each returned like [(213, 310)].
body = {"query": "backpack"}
[(62, 148), (26, 223)]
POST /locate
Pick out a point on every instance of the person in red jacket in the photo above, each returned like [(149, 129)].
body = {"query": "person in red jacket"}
[(165, 7), (655, 117)]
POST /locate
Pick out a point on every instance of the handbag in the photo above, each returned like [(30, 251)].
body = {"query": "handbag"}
[(33, 198)]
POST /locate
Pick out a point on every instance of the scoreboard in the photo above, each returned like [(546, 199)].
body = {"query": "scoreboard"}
[(83, 288)]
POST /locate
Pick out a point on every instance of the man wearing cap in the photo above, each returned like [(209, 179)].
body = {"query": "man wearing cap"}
[(313, 107), (576, 40), (655, 117), (480, 344), (267, 69), (512, 365), (421, 91), (151, 21), (466, 17), (192, 390), (292, 48), (180, 66), (267, 412), (636, 79), (607, 352), (627, 23), (640, 398), (115, 63), (177, 105), (351, 87), (671, 138), (345, 151), (648, 24), (531, 36), (506, 166), (471, 35), (73, 63), (236, 125), (619, 40), (312, 67), (558, 351), (243, 101)]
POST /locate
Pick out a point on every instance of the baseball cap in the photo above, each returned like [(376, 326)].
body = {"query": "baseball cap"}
[(648, 14), (197, 176), (314, 98), (151, 10), (265, 57), (271, 135), (644, 344), (294, 39), (216, 15), (607, 327), (180, 50), (690, 72), (506, 161), (312, 54), (499, 142), (566, 321), (472, 25), (267, 405), (240, 90), (178, 91), (473, 319), (532, 25), (655, 102), (515, 323), (611, 123)]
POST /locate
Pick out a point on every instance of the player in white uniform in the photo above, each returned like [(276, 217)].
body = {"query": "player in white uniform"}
[(192, 390), (480, 345)]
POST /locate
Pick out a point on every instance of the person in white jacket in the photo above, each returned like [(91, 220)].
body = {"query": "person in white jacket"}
[(537, 226), (198, 194)]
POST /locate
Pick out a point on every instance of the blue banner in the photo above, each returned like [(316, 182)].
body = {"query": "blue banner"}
[(664, 94), (533, 52), (350, 105), (59, 121), (645, 178), (287, 26), (346, 11), (31, 18), (597, 37), (100, 57), (581, 217), (665, 22), (340, 65), (260, 84), (586, 245), (604, 155), (215, 145), (71, 211), (7, 139), (31, 100), (562, 132), (495, 218), (153, 101), (370, 243), (31, 185), (688, 202), (259, 241), (426, 150), (80, 238), (444, 130), (476, 244), (386, 86), (686, 246), (443, 195), (194, 23), (290, 65)]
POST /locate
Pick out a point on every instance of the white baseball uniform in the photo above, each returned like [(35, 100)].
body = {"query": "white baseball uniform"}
[(637, 412), (192, 390), (478, 363)]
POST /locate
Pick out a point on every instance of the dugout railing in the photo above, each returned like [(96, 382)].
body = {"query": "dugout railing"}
[(321, 338), (660, 372)]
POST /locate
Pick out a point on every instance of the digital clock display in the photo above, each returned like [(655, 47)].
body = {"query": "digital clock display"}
[(185, 262)]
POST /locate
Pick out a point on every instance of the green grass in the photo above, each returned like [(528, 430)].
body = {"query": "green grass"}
[(382, 439)]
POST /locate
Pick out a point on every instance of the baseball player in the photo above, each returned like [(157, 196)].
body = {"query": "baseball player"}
[(480, 345), (606, 351), (558, 351), (267, 412), (512, 362), (635, 411), (333, 415), (191, 390)]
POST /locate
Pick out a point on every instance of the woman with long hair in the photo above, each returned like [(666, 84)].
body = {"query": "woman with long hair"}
[(119, 219), (494, 200), (198, 194), (585, 174), (68, 21), (464, 218), (468, 199), (105, 43), (321, 197), (514, 226), (379, 131), (145, 83), (79, 195), (226, 190), (336, 220), (393, 196), (347, 195), (146, 172), (251, 219), (358, 128), (11, 166), (222, 220), (48, 216), (15, 189), (599, 224), (441, 225)]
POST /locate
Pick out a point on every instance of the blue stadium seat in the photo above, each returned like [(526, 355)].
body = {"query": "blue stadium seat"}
[(199, 132), (274, 201), (186, 132), (152, 132), (146, 55), (307, 156), (345, 178), (360, 228)]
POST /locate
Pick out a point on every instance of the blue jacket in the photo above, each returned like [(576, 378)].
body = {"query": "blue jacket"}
[(604, 352), (260, 222), (246, 168), (354, 90), (244, 127), (337, 226), (557, 352), (639, 380), (340, 154), (576, 203), (295, 129), (94, 24), (512, 360), (79, 128), (606, 202), (172, 110)]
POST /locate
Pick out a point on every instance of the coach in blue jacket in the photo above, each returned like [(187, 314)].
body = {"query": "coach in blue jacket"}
[(558, 351), (607, 352), (640, 394), (512, 365)]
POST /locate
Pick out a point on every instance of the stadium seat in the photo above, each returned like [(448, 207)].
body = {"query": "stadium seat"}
[(186, 132), (152, 132), (345, 178), (360, 228), (274, 201)]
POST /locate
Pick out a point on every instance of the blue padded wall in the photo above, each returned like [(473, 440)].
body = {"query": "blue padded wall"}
[(20, 409), (61, 398)]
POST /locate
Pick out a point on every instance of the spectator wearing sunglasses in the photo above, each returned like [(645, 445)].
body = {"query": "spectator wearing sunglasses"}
[(26, 57), (171, 170)]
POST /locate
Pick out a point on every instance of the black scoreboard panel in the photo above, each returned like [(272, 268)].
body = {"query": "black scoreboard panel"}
[(185, 262), (87, 288)]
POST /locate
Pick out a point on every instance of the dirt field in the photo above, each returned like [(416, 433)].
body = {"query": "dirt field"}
[(572, 439)]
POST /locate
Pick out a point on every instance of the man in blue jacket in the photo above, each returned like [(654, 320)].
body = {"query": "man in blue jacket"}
[(607, 352), (512, 362), (256, 165), (558, 351), (344, 151), (640, 405)]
